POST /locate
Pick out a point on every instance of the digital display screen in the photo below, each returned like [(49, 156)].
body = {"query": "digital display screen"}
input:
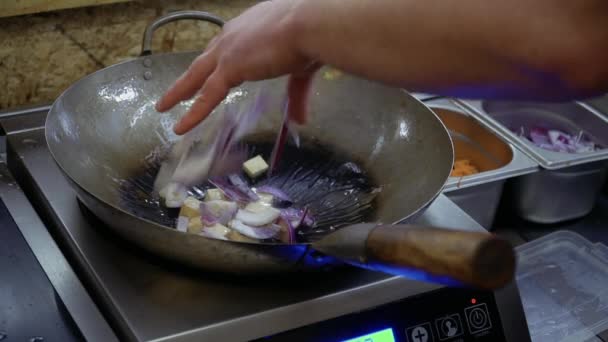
[(385, 335)]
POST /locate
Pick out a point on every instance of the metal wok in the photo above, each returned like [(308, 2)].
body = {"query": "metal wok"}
[(104, 128)]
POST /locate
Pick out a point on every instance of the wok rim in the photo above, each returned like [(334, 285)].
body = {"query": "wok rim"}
[(73, 182)]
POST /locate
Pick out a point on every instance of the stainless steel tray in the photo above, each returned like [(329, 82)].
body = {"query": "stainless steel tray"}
[(572, 116), (510, 161)]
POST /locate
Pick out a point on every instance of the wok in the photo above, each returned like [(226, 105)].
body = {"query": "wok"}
[(104, 129)]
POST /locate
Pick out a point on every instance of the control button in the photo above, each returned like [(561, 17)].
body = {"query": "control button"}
[(449, 326), (478, 318), (420, 333)]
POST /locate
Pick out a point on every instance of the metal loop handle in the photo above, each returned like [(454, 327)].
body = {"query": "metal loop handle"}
[(146, 48)]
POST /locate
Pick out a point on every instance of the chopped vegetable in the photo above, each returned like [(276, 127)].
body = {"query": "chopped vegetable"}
[(243, 187), (260, 218), (233, 235), (255, 166), (182, 223), (286, 234), (260, 233), (190, 208), (209, 217), (234, 192), (265, 198), (214, 194), (463, 167), (557, 141), (256, 207), (296, 216), (195, 225), (217, 231), (174, 194), (276, 192), (218, 208)]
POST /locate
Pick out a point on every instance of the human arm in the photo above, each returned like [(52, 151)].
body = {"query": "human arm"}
[(519, 49)]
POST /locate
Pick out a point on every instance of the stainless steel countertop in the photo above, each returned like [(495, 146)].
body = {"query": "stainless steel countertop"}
[(80, 306)]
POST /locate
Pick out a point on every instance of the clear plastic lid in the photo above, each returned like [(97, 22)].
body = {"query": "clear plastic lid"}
[(563, 283)]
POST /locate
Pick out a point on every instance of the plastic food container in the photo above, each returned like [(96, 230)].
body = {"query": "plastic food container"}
[(569, 183), (479, 194), (562, 281), (601, 105)]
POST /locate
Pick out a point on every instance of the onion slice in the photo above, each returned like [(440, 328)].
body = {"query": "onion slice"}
[(182, 223), (260, 233), (260, 218), (276, 192)]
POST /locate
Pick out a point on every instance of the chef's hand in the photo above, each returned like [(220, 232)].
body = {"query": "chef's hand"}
[(256, 45)]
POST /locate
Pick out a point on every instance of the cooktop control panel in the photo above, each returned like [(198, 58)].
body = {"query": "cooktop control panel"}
[(447, 314)]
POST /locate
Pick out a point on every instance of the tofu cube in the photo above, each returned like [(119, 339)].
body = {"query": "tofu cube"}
[(265, 198), (195, 225), (233, 235), (190, 208), (255, 166), (218, 230), (214, 195)]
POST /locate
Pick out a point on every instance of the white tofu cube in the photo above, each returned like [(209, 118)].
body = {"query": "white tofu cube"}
[(190, 208), (195, 225), (255, 166), (217, 231), (265, 198), (214, 195)]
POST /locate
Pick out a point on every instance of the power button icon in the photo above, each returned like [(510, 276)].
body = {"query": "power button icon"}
[(478, 318)]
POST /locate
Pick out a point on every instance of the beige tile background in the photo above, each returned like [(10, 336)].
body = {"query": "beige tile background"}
[(42, 54)]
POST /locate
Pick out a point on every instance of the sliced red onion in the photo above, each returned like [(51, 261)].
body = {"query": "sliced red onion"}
[(215, 232), (260, 233), (219, 208), (207, 217), (303, 219), (296, 217), (559, 141), (227, 215), (258, 219), (182, 223), (276, 192), (291, 234), (229, 190), (243, 187)]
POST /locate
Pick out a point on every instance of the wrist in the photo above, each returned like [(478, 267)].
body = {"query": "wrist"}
[(299, 23)]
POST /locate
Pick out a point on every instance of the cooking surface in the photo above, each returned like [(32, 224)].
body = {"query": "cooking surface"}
[(146, 298), (29, 306)]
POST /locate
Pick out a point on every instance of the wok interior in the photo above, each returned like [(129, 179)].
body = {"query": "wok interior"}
[(105, 129)]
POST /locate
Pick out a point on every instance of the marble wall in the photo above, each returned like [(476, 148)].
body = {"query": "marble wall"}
[(42, 54)]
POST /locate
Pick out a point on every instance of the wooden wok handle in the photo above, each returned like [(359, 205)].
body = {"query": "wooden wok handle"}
[(446, 256)]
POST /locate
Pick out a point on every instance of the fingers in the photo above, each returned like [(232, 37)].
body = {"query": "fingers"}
[(213, 92), (298, 90), (189, 83)]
